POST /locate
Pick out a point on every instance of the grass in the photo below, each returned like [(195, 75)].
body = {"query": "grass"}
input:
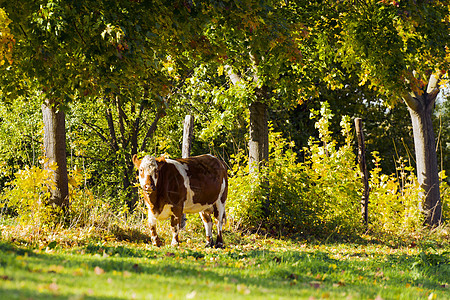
[(76, 264)]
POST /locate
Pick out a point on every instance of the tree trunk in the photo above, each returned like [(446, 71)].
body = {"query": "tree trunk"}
[(426, 164), (259, 136), (421, 110), (363, 170), (55, 152)]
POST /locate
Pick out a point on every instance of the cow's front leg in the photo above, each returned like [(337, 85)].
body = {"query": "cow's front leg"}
[(154, 235), (155, 238)]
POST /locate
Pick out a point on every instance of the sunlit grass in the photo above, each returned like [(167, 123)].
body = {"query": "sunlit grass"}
[(82, 264)]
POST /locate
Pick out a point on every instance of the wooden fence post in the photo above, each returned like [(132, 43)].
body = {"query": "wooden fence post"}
[(188, 129), (187, 136), (364, 171)]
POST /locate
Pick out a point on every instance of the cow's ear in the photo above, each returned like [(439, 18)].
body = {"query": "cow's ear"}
[(136, 161)]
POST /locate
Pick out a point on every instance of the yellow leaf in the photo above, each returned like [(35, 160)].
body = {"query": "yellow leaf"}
[(220, 70), (99, 271)]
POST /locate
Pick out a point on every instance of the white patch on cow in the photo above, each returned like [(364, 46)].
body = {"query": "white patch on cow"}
[(182, 169), (195, 207), (152, 217), (208, 228), (166, 212)]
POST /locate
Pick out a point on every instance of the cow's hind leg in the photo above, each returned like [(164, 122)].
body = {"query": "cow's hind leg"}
[(219, 212), (175, 221), (219, 215), (207, 221)]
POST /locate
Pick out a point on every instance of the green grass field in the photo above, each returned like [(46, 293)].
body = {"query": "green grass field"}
[(250, 267)]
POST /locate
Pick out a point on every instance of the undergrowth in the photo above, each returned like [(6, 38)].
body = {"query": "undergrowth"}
[(315, 199)]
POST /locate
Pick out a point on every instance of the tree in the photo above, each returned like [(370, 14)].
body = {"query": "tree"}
[(69, 51), (6, 38), (400, 49), (254, 46)]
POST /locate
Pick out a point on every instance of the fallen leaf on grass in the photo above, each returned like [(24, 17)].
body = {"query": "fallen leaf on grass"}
[(99, 271), (53, 287), (191, 295), (77, 272), (379, 274), (315, 284), (241, 288), (55, 269), (126, 274), (340, 283), (136, 268)]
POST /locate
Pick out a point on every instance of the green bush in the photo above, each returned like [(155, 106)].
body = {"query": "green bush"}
[(29, 194), (394, 200), (445, 196), (319, 196)]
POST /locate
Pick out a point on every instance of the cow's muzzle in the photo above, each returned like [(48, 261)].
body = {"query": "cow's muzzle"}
[(149, 187)]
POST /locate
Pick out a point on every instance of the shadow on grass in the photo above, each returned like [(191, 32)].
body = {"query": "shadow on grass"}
[(23, 293), (274, 271)]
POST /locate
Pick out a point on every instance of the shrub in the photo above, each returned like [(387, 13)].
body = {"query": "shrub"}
[(394, 200), (445, 196), (29, 194), (319, 196)]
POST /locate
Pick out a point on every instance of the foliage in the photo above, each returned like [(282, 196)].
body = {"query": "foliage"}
[(393, 204), (394, 46), (20, 137), (134, 59), (441, 120), (319, 195), (6, 39), (445, 196), (394, 207), (29, 194)]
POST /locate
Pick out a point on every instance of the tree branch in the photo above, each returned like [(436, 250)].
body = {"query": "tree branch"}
[(411, 101), (152, 128), (134, 142), (79, 34), (97, 131), (112, 131), (433, 82), (235, 79), (122, 117), (433, 88)]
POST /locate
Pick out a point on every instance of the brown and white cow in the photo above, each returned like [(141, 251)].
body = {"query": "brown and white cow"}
[(172, 187)]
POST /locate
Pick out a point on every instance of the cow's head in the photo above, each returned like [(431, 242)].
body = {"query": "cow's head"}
[(148, 172)]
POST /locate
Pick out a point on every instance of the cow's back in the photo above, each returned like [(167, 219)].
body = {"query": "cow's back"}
[(204, 180)]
